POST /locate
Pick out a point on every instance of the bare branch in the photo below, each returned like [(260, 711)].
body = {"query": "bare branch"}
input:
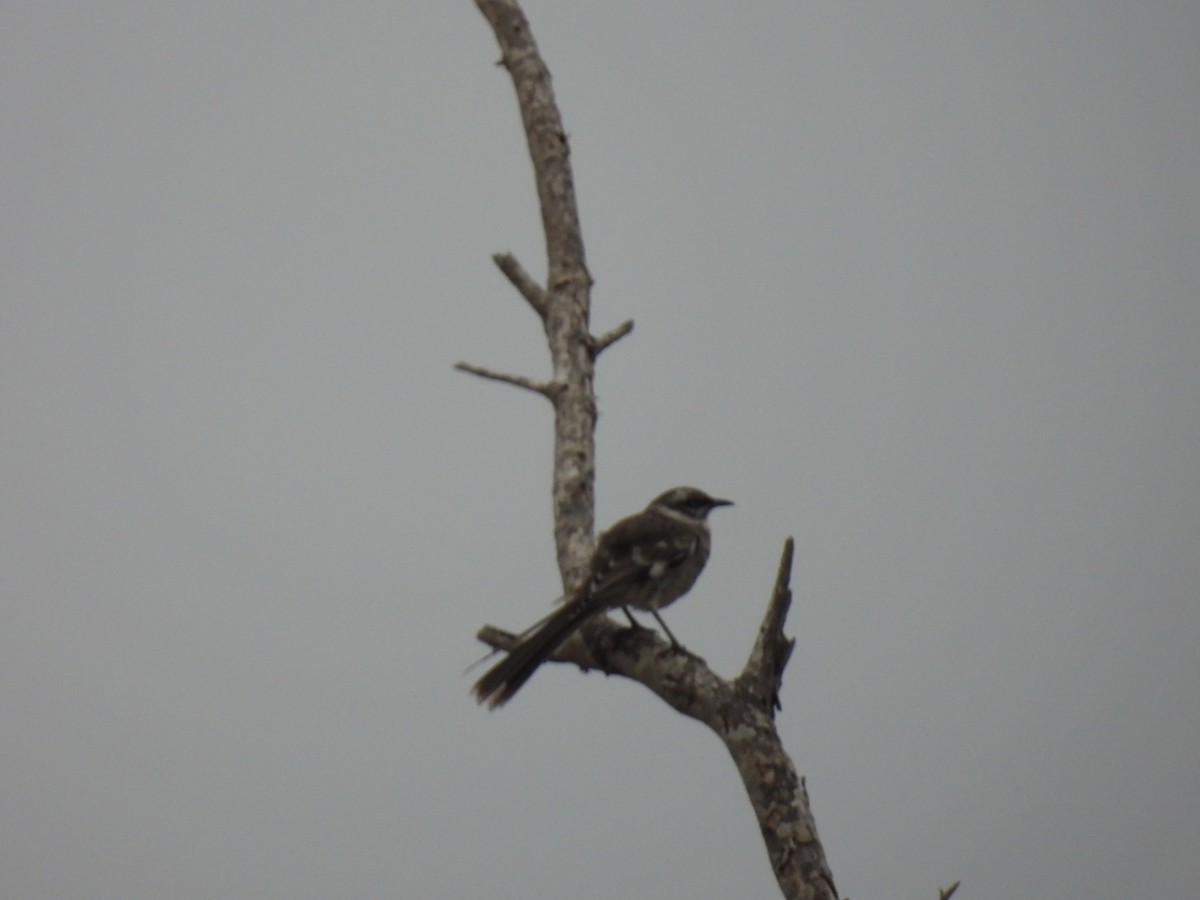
[(763, 674), (745, 725), (547, 389), (497, 638), (565, 303), (606, 340), (948, 892), (524, 283), (575, 651), (545, 134), (740, 713)]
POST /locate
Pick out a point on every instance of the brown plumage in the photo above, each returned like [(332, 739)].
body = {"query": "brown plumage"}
[(646, 561)]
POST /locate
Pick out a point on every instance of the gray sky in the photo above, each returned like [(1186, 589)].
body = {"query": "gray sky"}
[(915, 283)]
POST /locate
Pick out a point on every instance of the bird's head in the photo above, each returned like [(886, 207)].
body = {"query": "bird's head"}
[(689, 501)]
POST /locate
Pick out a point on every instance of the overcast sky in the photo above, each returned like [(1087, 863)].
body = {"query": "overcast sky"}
[(917, 283)]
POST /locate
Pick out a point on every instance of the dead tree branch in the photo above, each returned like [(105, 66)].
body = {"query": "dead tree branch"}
[(609, 338), (741, 712), (521, 280), (538, 387), (565, 304)]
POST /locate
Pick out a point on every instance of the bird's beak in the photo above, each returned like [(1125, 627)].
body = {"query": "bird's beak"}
[(715, 503)]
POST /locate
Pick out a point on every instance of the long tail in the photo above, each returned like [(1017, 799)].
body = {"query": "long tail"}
[(504, 679)]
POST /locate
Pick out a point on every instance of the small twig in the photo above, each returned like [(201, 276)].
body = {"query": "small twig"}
[(546, 388), (578, 650), (523, 282), (497, 638), (948, 892), (609, 338)]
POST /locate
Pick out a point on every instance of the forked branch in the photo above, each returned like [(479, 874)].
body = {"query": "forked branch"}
[(741, 712)]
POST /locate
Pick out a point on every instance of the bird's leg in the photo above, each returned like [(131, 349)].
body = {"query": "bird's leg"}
[(633, 623), (674, 643)]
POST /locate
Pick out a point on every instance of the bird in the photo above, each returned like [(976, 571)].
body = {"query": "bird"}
[(645, 561)]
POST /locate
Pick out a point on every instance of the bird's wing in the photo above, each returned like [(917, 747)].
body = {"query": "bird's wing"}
[(637, 549)]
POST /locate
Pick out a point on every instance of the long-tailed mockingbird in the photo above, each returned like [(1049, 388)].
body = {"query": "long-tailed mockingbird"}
[(646, 561)]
